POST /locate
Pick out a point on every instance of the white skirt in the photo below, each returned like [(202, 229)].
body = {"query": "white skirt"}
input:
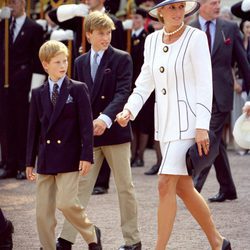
[(174, 157)]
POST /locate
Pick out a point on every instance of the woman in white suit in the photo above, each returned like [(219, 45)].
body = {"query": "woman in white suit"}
[(177, 66)]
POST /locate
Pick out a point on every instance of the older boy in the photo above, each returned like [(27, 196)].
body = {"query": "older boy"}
[(60, 127), (108, 73)]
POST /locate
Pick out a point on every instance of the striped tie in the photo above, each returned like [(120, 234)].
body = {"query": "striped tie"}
[(55, 94)]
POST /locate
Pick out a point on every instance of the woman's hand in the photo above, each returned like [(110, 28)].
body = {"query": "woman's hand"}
[(246, 108), (123, 117), (202, 140)]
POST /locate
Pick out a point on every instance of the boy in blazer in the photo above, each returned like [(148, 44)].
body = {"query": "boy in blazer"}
[(61, 130), (108, 73)]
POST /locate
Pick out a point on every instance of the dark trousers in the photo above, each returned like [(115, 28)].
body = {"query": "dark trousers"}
[(3, 222), (14, 128), (221, 163), (104, 176)]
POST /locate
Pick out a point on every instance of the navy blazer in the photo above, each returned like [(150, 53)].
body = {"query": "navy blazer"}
[(109, 92), (63, 136), (228, 48)]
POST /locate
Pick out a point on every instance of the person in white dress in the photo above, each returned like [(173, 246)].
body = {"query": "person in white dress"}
[(177, 66)]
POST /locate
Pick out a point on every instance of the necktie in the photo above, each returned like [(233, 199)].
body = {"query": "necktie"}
[(12, 29), (94, 66), (55, 94), (208, 34)]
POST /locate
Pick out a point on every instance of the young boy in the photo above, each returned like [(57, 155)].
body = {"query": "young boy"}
[(61, 130), (108, 73)]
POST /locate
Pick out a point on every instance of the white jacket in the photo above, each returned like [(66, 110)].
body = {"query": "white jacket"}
[(181, 75)]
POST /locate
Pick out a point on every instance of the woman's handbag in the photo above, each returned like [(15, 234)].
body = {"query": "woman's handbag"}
[(195, 163)]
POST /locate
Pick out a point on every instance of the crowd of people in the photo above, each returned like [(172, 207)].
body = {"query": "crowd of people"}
[(87, 88)]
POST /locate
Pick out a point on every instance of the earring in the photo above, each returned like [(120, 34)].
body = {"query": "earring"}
[(161, 15)]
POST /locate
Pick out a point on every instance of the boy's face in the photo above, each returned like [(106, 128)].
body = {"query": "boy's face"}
[(99, 39), (57, 67)]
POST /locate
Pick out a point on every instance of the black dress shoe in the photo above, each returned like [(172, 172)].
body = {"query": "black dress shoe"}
[(6, 237), (63, 244), (98, 245), (21, 175), (6, 173), (99, 190), (136, 246), (138, 163), (152, 171), (220, 197), (226, 245)]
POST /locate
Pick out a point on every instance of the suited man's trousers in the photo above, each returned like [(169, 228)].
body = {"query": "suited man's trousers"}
[(221, 163), (60, 191), (118, 158)]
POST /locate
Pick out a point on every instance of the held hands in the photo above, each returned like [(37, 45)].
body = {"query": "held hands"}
[(123, 117), (84, 167), (29, 174), (99, 127), (202, 141)]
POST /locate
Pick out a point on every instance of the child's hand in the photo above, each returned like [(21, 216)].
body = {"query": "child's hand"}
[(123, 117), (29, 174), (84, 167)]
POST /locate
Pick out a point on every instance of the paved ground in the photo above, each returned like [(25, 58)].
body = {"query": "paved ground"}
[(17, 199)]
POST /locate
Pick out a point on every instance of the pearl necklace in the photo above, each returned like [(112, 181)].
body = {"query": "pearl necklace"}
[(174, 32)]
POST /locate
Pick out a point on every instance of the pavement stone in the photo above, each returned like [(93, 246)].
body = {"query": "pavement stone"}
[(232, 218)]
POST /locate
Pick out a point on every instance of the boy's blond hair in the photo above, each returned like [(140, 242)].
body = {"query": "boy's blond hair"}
[(97, 20), (51, 49)]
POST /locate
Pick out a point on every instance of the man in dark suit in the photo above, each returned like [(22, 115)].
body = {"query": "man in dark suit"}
[(108, 73), (24, 70), (226, 46)]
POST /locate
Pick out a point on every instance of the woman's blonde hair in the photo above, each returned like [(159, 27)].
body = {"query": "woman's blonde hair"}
[(51, 49)]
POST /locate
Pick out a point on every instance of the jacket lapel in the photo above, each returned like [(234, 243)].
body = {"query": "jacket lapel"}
[(100, 72), (218, 40), (63, 95), (87, 73), (45, 99)]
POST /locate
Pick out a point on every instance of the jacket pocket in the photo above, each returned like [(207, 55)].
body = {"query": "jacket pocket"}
[(183, 116)]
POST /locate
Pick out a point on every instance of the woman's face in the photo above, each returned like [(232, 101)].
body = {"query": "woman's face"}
[(173, 14), (246, 28)]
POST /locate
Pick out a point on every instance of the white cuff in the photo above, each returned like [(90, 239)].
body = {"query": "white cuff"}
[(106, 119)]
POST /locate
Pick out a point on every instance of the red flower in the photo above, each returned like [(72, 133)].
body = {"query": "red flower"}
[(227, 41)]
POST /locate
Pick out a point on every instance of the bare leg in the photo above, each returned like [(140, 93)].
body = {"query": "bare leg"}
[(199, 210), (166, 209)]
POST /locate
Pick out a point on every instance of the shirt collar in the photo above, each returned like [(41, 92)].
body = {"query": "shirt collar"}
[(203, 21), (100, 54), (137, 32), (20, 20), (59, 82)]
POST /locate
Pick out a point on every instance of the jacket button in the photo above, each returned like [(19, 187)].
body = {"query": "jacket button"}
[(102, 97), (164, 91), (165, 49), (161, 69), (58, 141), (48, 141)]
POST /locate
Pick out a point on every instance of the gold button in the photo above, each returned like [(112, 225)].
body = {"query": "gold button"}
[(58, 141), (102, 97), (161, 69), (165, 48), (48, 141)]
